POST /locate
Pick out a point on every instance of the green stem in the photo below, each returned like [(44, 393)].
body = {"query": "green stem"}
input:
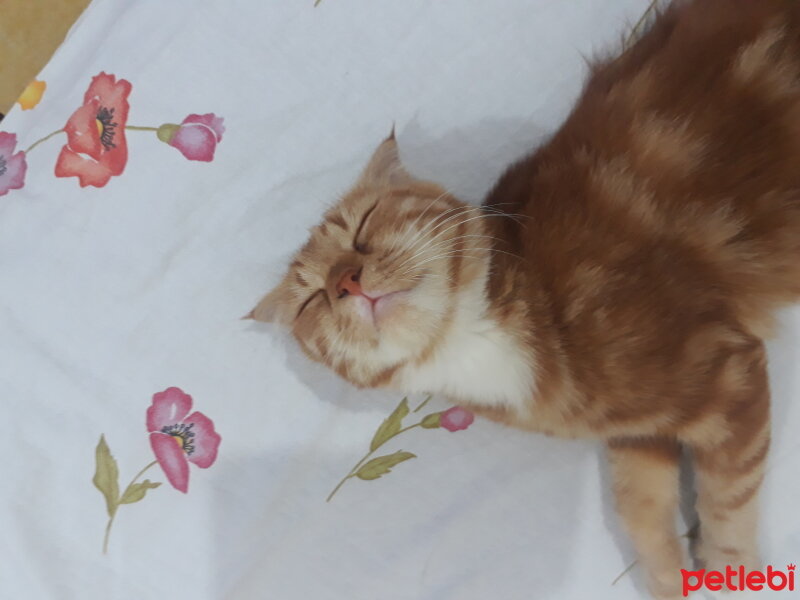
[(114, 514), (403, 430), (355, 469), (424, 402), (48, 136), (108, 531), (140, 473), (44, 139), (340, 484), (352, 473)]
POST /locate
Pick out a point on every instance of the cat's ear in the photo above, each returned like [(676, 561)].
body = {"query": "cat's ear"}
[(278, 306), (385, 167)]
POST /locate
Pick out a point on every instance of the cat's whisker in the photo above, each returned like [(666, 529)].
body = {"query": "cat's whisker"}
[(485, 216), (409, 247), (441, 256), (411, 226), (429, 227), (436, 223), (429, 242), (480, 209), (454, 252), (513, 216), (465, 253), (444, 243)]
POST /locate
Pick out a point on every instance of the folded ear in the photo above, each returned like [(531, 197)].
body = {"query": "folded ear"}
[(276, 307), (385, 167)]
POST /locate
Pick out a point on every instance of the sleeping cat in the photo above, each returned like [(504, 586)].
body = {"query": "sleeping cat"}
[(616, 284)]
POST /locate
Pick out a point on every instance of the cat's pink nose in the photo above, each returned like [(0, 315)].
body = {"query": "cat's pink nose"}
[(348, 284)]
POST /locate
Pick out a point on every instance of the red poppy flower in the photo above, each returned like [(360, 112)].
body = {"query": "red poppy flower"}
[(96, 149)]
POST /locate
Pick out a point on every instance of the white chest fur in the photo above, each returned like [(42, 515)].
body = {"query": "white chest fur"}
[(478, 362)]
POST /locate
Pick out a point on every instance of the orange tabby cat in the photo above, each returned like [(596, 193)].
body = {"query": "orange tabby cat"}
[(617, 283)]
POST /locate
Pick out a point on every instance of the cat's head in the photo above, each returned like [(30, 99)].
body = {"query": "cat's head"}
[(381, 280)]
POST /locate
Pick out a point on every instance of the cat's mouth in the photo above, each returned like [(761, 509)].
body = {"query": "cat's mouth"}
[(378, 307)]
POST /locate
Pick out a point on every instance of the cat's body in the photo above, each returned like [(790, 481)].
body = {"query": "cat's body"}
[(617, 283)]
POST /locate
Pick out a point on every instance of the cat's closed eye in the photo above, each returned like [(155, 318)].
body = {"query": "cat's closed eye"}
[(360, 246), (308, 301)]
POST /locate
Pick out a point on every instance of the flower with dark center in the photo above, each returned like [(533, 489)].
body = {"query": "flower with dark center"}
[(96, 149), (179, 438), (106, 127)]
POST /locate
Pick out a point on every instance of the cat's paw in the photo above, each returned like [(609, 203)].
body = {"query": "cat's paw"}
[(666, 586), (714, 558)]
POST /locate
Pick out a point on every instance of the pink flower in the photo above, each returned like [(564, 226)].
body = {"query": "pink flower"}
[(456, 419), (96, 148), (178, 439), (12, 166), (197, 137)]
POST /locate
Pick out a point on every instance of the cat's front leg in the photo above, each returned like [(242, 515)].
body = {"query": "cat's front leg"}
[(730, 466), (646, 487)]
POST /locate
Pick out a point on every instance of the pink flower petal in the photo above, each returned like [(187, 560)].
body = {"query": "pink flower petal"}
[(209, 120), (86, 169), (456, 418), (8, 141), (206, 440), (169, 407), (172, 459), (13, 176), (112, 91), (195, 141), (82, 134)]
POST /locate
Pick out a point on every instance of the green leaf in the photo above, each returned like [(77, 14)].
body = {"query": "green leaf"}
[(382, 465), (432, 421), (136, 491), (390, 426), (106, 475)]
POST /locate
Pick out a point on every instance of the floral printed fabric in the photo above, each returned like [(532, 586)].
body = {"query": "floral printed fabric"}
[(12, 164), (196, 137), (32, 95), (179, 438), (176, 438), (97, 148), (110, 295)]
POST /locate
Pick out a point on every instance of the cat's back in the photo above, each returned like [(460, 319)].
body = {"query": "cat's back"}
[(675, 180)]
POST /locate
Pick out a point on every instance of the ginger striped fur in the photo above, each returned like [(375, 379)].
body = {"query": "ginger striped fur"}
[(617, 283)]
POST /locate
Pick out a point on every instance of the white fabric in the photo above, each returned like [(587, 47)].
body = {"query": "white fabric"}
[(109, 295)]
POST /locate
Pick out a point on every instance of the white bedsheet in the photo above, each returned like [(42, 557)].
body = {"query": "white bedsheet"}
[(111, 294)]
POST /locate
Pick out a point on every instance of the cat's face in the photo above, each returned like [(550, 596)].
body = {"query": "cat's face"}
[(378, 282)]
